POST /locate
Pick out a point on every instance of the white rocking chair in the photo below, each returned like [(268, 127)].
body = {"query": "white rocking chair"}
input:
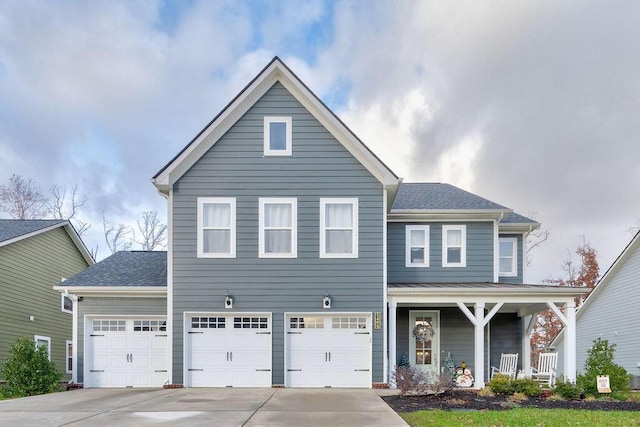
[(508, 365), (546, 371)]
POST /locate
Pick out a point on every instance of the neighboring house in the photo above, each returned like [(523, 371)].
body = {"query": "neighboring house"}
[(297, 258), (611, 312), (34, 256)]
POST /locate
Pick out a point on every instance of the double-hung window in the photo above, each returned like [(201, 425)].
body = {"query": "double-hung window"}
[(278, 218), (339, 228), (216, 227), (417, 246), (508, 262), (45, 342), (454, 245), (277, 136)]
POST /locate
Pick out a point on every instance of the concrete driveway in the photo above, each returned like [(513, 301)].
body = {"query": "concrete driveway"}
[(201, 407)]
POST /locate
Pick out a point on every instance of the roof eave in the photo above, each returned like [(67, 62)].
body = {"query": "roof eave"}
[(454, 214), (560, 291), (113, 290), (521, 227)]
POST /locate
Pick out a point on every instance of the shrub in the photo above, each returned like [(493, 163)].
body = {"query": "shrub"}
[(28, 370), (527, 386), (566, 389), (409, 379), (600, 362), (486, 392), (518, 397), (501, 384)]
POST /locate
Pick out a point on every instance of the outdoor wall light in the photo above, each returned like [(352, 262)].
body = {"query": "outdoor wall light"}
[(326, 301), (228, 300), (32, 318)]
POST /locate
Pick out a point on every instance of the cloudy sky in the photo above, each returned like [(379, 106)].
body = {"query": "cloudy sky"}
[(534, 105)]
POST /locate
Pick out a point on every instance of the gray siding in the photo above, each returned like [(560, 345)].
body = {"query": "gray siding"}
[(479, 266), (520, 259), (506, 337), (614, 316), (90, 306), (236, 167), (29, 269)]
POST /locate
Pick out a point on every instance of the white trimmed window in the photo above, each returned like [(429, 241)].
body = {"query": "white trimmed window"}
[(417, 246), (277, 136), (216, 227), (69, 356), (43, 342), (66, 304), (339, 228), (454, 245), (278, 222), (508, 250)]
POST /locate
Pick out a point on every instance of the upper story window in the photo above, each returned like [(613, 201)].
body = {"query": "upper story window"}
[(339, 228), (508, 250), (216, 227), (277, 136), (417, 246), (66, 304), (278, 236), (454, 245)]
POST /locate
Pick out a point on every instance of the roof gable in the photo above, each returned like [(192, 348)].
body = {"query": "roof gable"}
[(275, 71), (15, 230)]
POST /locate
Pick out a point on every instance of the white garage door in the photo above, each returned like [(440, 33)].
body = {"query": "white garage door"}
[(229, 350), (328, 351), (126, 353)]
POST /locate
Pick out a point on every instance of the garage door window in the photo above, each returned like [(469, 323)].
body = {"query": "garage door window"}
[(149, 325), (109, 325), (208, 322), (306, 323), (250, 323), (349, 323)]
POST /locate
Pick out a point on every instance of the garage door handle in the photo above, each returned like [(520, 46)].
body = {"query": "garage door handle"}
[(263, 370), (161, 370), (294, 370), (96, 370), (291, 333), (329, 356), (361, 333), (165, 335), (231, 356), (94, 335), (192, 370), (263, 333), (192, 332), (361, 370)]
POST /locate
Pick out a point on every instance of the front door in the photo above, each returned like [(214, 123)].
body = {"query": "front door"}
[(424, 340)]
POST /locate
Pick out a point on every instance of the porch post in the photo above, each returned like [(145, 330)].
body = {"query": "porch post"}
[(393, 305), (570, 342), (527, 326), (479, 346)]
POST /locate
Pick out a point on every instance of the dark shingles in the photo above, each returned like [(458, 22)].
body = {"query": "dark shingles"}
[(126, 268), (12, 228), (516, 218), (437, 196)]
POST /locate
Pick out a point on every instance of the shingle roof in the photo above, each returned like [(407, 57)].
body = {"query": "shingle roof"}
[(438, 196), (126, 268), (12, 228), (516, 218)]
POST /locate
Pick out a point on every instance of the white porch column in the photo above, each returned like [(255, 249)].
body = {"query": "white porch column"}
[(479, 346), (393, 305), (570, 342), (528, 323)]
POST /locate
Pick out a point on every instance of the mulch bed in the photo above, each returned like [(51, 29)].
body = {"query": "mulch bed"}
[(467, 400)]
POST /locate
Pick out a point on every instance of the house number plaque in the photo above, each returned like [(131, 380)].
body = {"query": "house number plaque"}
[(377, 320)]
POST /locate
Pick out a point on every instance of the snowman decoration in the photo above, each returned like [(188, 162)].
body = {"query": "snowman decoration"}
[(463, 377)]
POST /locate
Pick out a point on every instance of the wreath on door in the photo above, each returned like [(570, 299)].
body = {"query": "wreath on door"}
[(423, 332)]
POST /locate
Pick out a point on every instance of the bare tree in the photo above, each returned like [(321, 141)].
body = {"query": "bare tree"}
[(152, 231), (66, 207), (535, 239), (116, 236), (22, 198)]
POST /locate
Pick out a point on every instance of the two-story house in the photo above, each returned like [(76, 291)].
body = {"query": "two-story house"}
[(297, 258), (34, 256)]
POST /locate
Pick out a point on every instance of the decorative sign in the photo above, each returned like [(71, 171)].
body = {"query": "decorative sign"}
[(603, 384), (377, 320)]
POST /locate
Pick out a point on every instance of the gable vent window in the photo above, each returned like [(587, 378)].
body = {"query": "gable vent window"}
[(216, 227), (277, 136)]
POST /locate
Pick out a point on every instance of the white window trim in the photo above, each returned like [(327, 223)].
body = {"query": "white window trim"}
[(514, 257), (294, 226), (463, 249), (323, 244), (67, 357), (408, 230), (43, 338), (232, 244), (62, 297), (267, 136)]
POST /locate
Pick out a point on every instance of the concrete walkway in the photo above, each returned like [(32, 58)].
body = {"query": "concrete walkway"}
[(201, 407)]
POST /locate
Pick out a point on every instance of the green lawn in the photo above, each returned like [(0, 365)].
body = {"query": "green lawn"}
[(523, 417)]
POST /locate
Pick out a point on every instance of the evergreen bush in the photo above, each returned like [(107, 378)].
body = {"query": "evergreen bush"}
[(600, 362), (28, 370)]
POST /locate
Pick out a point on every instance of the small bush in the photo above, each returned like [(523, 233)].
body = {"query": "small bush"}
[(566, 389), (518, 397), (526, 386), (486, 392), (600, 362), (618, 395), (409, 380), (28, 370), (501, 384)]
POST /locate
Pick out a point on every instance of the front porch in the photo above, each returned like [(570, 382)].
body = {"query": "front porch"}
[(475, 323)]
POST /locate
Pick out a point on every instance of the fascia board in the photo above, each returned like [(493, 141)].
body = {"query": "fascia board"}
[(113, 291), (523, 227), (455, 292), (276, 72), (399, 215)]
